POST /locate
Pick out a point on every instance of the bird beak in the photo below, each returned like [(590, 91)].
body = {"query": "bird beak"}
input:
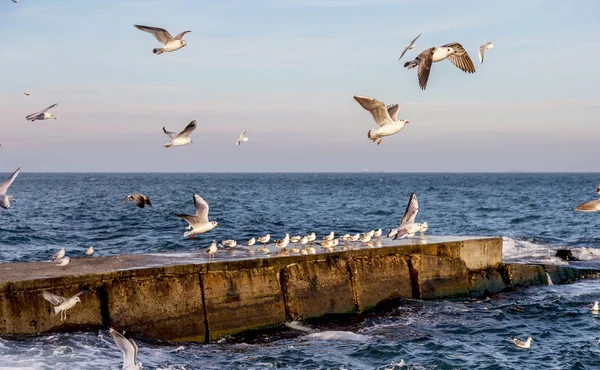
[(54, 117)]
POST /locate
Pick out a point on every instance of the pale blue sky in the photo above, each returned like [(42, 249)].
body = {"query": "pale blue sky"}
[(286, 71)]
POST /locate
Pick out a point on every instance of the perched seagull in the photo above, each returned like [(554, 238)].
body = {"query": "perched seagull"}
[(6, 199), (595, 308), (311, 238), (129, 349), (59, 255), (164, 37), (242, 138), (365, 238), (63, 261), (62, 304), (591, 206), (371, 233), (89, 251), (329, 237), (303, 241), (42, 115), (251, 242), (409, 47), (487, 46), (355, 237), (199, 222), (408, 227), (140, 200), (522, 344), (182, 138), (229, 243), (378, 233), (283, 243), (264, 239), (345, 238), (385, 117), (295, 240), (212, 250), (453, 51)]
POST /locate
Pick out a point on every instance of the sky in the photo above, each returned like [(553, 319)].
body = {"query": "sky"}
[(286, 71)]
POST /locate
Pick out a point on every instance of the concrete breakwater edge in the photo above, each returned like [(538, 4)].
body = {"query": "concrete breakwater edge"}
[(183, 297)]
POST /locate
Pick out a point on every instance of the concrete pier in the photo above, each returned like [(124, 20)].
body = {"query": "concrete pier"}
[(183, 297)]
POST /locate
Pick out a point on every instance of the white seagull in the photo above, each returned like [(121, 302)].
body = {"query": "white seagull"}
[(199, 222), (487, 46), (129, 349), (409, 47), (212, 250), (453, 51), (63, 261), (169, 42), (6, 199), (408, 227), (264, 239), (59, 255), (242, 138), (595, 308), (522, 344), (182, 138), (330, 236), (229, 243), (385, 117), (89, 251), (62, 304), (42, 115)]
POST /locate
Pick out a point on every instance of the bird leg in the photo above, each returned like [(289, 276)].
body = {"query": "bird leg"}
[(192, 236), (379, 141)]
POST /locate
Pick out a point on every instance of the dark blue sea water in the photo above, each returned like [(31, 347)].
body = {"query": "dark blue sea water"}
[(532, 212)]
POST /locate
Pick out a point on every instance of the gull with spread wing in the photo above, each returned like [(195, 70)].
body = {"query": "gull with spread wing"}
[(169, 42), (42, 115), (199, 222), (140, 200), (487, 46), (408, 227), (409, 47), (385, 117), (129, 349), (242, 138), (6, 199), (62, 304), (182, 138)]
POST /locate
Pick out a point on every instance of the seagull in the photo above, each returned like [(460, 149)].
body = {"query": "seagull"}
[(355, 237), (251, 242), (595, 308), (182, 138), (212, 250), (487, 46), (164, 37), (591, 206), (408, 227), (283, 243), (522, 344), (62, 304), (329, 237), (365, 238), (453, 51), (598, 190), (199, 222), (409, 47), (89, 251), (140, 200), (385, 117), (371, 233), (264, 239), (229, 243), (378, 233), (311, 238), (345, 238), (129, 349), (27, 94), (6, 199), (242, 137), (42, 115), (59, 255), (63, 261)]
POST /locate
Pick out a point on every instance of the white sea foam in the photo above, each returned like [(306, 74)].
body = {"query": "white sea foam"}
[(586, 254), (514, 250), (297, 326), (339, 335)]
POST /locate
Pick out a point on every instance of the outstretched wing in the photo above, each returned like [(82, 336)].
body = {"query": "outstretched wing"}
[(4, 185), (201, 208), (188, 129), (393, 111), (411, 210), (190, 219), (53, 298), (147, 200), (415, 39), (180, 36), (50, 107), (460, 58), (81, 292), (126, 346), (376, 108), (172, 135), (425, 60), (159, 33)]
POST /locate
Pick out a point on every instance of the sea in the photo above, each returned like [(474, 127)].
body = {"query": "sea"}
[(533, 213)]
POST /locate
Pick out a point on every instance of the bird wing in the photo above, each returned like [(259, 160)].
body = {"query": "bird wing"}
[(460, 58), (243, 135), (403, 52), (411, 210), (590, 206), (188, 129), (159, 33), (32, 116), (126, 346), (180, 36), (481, 51), (50, 107), (53, 298), (376, 108), (598, 190), (409, 45), (80, 293), (147, 200), (139, 200), (172, 135), (415, 39), (393, 111), (190, 219), (4, 185), (201, 208), (425, 60)]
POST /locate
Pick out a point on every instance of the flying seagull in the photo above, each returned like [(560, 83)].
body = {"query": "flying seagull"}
[(488, 45), (140, 200), (598, 190), (385, 117), (129, 349), (164, 37), (6, 199), (242, 138), (62, 304), (408, 227), (42, 115), (453, 51), (199, 222), (181, 138), (591, 206), (409, 47)]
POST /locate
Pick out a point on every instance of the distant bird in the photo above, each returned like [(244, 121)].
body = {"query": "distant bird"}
[(330, 236), (42, 115), (591, 206), (385, 117), (251, 242), (62, 262), (27, 94), (345, 238), (595, 308), (283, 243), (182, 138), (371, 233), (59, 255), (378, 233), (311, 238), (89, 251), (408, 227), (487, 46), (129, 349), (62, 304), (15, 1), (212, 249), (522, 344), (409, 47), (264, 239), (355, 237), (140, 200), (365, 238), (199, 222), (229, 243), (164, 37), (242, 138), (453, 51), (6, 199)]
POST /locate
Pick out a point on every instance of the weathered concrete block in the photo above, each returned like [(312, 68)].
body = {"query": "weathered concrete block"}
[(563, 274), (481, 254), (161, 306), (484, 282), (525, 275), (319, 287), (239, 300), (439, 277), (380, 278)]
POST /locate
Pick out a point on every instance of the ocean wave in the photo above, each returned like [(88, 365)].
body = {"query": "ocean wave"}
[(517, 250)]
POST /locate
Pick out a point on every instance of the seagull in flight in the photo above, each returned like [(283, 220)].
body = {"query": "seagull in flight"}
[(129, 349), (6, 199), (409, 47), (42, 114), (242, 138), (140, 200), (408, 227), (169, 42), (199, 222), (182, 138), (487, 46), (62, 304), (385, 117)]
